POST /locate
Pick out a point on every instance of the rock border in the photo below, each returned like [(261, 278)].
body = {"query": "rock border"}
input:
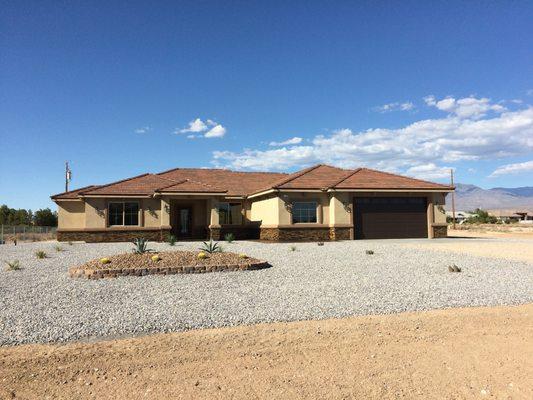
[(99, 273)]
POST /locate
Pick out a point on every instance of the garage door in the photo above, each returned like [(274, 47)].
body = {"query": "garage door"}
[(390, 217)]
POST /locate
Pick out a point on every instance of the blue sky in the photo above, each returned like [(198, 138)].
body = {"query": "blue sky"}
[(411, 87)]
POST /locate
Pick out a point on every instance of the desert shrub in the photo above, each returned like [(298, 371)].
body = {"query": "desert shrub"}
[(370, 252), (156, 258), (481, 217), (292, 248), (211, 247), (320, 243), (202, 255), (141, 246), (105, 260), (454, 268), (70, 243), (13, 265), (171, 240), (58, 248), (243, 256), (40, 254), (229, 237)]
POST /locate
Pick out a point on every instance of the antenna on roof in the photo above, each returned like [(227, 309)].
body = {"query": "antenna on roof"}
[(68, 176)]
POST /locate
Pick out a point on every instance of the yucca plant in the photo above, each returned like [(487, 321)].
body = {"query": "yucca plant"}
[(230, 237), (141, 246), (13, 265), (211, 247), (40, 254)]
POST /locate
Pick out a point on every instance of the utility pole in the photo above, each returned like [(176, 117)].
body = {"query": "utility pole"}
[(68, 175), (453, 199)]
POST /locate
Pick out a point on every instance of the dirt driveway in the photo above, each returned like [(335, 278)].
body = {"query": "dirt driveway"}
[(458, 353)]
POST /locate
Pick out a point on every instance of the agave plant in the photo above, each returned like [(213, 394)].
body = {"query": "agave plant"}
[(211, 247), (13, 265), (141, 245)]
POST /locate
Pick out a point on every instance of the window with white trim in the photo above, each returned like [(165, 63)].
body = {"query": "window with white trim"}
[(304, 212), (123, 213)]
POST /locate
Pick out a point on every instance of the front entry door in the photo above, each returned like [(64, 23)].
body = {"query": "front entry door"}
[(183, 222)]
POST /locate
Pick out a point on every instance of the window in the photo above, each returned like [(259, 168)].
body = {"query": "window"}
[(123, 213), (304, 212), (229, 213)]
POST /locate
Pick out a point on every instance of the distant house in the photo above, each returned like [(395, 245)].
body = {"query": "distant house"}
[(513, 215), (317, 203), (460, 216)]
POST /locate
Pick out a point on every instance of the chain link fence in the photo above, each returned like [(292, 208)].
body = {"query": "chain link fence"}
[(26, 233)]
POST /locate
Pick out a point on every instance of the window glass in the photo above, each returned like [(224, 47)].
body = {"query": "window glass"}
[(229, 213), (304, 212), (116, 213), (131, 213)]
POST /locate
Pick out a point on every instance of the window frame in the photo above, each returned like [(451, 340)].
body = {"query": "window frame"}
[(123, 202), (293, 203), (231, 217)]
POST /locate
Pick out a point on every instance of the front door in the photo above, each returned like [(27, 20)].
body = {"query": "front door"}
[(183, 222)]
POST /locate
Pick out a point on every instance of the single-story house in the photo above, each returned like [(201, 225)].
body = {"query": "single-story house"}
[(318, 203)]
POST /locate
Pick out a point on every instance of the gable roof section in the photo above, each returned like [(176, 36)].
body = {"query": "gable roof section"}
[(366, 178), (145, 184), (320, 176), (72, 194)]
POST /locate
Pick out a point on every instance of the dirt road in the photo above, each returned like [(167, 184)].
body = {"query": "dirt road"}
[(456, 353)]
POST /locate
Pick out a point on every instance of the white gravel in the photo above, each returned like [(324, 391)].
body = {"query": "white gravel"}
[(40, 303)]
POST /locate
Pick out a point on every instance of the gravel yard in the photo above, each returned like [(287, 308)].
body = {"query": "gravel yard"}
[(40, 303)]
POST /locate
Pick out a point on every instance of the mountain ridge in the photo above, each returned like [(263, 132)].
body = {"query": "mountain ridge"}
[(469, 197)]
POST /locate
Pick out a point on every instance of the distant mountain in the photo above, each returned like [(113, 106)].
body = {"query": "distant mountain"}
[(470, 197)]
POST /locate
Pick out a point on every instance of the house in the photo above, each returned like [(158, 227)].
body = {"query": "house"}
[(512, 215), (318, 203)]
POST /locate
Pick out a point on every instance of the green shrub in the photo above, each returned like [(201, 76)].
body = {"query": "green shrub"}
[(292, 248), (369, 252), (13, 265), (320, 243), (40, 254), (141, 246), (481, 217), (229, 237), (211, 247), (105, 260), (70, 243), (171, 240), (58, 248)]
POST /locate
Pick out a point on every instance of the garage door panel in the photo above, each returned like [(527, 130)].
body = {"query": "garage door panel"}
[(388, 218)]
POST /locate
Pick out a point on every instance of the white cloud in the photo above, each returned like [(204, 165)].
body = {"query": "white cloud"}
[(194, 126), (144, 129), (396, 106), (468, 107), (198, 128), (429, 171), (294, 140), (517, 168), (215, 132), (410, 149)]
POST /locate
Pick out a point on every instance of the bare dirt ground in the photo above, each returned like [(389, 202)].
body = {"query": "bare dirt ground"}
[(445, 354), (520, 248)]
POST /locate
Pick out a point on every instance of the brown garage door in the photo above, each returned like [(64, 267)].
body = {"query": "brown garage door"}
[(390, 217)]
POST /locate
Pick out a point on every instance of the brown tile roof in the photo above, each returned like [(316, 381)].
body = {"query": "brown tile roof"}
[(366, 178), (236, 183), (72, 194), (191, 186)]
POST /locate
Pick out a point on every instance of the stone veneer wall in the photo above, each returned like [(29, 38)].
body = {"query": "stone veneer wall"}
[(295, 234), (240, 232), (156, 235), (440, 231)]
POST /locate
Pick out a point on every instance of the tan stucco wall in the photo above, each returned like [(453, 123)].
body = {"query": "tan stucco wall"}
[(266, 210), (439, 200), (338, 213), (71, 215), (94, 219), (151, 209)]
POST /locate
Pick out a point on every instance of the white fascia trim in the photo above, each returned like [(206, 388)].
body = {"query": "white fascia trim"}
[(262, 193), (392, 190), (189, 194)]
